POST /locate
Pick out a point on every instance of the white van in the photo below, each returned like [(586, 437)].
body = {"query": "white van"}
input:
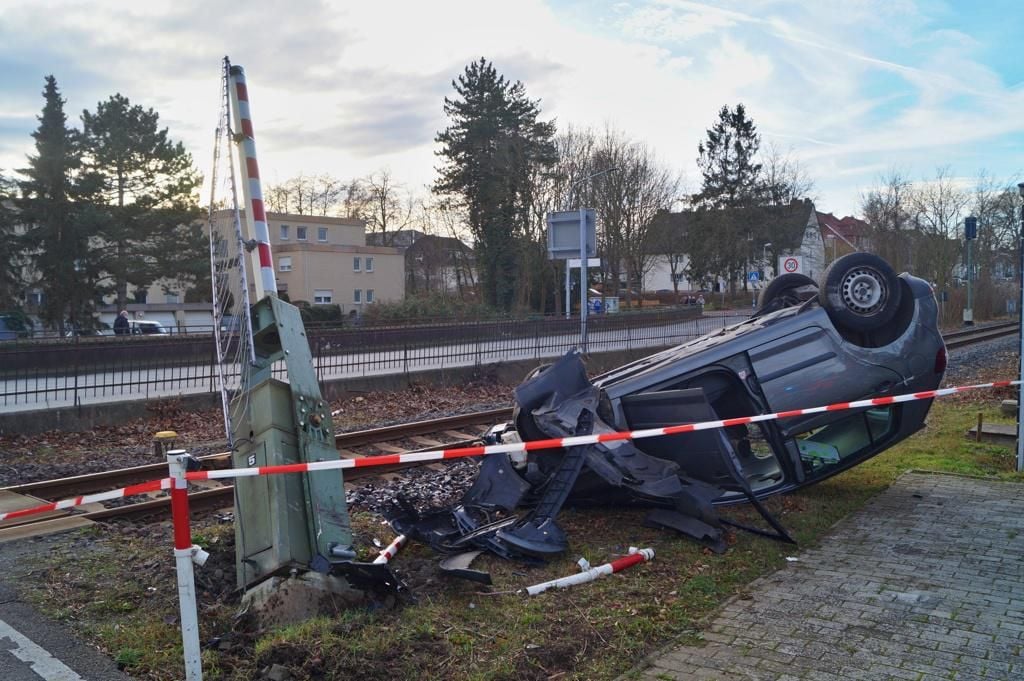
[(146, 327)]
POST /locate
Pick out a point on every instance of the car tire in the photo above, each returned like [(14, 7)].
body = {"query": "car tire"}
[(782, 286), (860, 292)]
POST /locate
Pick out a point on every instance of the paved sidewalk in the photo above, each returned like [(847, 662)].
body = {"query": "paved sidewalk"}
[(926, 582)]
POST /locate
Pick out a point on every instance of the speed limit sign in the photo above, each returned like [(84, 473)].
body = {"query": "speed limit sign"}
[(791, 264)]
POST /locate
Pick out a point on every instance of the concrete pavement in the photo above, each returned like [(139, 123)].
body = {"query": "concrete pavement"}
[(926, 582)]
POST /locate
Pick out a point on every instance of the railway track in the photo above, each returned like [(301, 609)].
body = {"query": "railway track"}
[(448, 432)]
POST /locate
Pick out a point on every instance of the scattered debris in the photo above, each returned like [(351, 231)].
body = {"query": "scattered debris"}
[(634, 557)]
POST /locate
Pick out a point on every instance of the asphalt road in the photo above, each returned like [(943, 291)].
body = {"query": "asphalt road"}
[(33, 648)]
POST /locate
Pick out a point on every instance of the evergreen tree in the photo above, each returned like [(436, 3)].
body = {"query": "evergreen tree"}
[(492, 148), (59, 222), (147, 195), (731, 179), (728, 162), (9, 246)]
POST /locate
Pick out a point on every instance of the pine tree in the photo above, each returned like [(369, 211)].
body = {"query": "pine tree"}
[(146, 192), (731, 179), (728, 162), (491, 148), (58, 222)]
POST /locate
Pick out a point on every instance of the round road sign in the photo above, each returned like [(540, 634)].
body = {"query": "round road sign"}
[(790, 265)]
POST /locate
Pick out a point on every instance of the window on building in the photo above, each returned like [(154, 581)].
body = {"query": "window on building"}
[(369, 265), (171, 298), (357, 296), (369, 295), (300, 233), (284, 264), (284, 232), (356, 264), (323, 296), (321, 234)]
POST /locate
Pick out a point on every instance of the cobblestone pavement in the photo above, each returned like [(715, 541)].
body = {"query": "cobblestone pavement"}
[(926, 582)]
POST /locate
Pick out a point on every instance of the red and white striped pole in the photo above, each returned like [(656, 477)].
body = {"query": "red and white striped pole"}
[(391, 551), (635, 557), (252, 191), (184, 554)]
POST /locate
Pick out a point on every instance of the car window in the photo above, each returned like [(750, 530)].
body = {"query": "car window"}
[(846, 438)]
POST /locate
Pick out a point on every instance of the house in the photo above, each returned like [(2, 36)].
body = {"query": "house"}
[(325, 261), (844, 235), (432, 263), (773, 234)]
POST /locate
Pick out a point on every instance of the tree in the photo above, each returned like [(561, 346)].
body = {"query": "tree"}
[(491, 147), (146, 188), (887, 209), (731, 179), (388, 206), (629, 198), (10, 251), (728, 162), (58, 220)]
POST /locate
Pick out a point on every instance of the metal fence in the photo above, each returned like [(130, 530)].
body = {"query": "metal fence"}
[(73, 371)]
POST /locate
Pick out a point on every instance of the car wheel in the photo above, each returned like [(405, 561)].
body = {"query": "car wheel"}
[(860, 292), (781, 292)]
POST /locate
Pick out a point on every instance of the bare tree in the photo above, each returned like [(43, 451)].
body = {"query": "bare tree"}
[(389, 205), (886, 207), (629, 199), (938, 207), (784, 178)]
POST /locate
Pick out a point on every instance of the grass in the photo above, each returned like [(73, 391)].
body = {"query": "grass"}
[(459, 630)]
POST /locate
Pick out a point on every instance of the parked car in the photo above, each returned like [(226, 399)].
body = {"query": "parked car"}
[(13, 327), (864, 332), (146, 327)]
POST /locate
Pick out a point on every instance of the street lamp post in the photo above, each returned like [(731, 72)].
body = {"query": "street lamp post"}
[(764, 256), (1020, 311)]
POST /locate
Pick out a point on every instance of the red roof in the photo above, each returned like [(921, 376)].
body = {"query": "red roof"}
[(849, 227)]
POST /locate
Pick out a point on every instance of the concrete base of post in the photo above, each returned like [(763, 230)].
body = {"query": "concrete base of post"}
[(279, 601)]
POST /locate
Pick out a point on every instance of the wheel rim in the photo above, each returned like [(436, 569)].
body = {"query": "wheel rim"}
[(863, 291)]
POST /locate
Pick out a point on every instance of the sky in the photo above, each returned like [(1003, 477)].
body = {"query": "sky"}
[(853, 90)]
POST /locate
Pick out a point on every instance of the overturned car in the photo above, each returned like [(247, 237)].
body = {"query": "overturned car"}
[(864, 332)]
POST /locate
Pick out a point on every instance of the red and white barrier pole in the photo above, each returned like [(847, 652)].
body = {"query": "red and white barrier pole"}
[(635, 557), (255, 217), (184, 554), (391, 551)]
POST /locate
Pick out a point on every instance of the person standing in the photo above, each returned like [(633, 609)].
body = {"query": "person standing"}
[(121, 325)]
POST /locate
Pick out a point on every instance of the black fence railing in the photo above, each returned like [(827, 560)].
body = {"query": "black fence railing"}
[(71, 371)]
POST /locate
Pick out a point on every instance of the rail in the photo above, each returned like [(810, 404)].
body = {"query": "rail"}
[(69, 372)]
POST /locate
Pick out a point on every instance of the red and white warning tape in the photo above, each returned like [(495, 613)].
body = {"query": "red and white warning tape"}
[(533, 445), (131, 490)]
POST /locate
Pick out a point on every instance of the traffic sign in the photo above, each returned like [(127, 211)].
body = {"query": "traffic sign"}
[(791, 264), (752, 276)]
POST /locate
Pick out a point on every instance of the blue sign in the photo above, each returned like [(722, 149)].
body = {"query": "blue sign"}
[(752, 276)]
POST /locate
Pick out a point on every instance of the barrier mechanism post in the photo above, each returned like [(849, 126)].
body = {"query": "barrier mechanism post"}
[(184, 554)]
